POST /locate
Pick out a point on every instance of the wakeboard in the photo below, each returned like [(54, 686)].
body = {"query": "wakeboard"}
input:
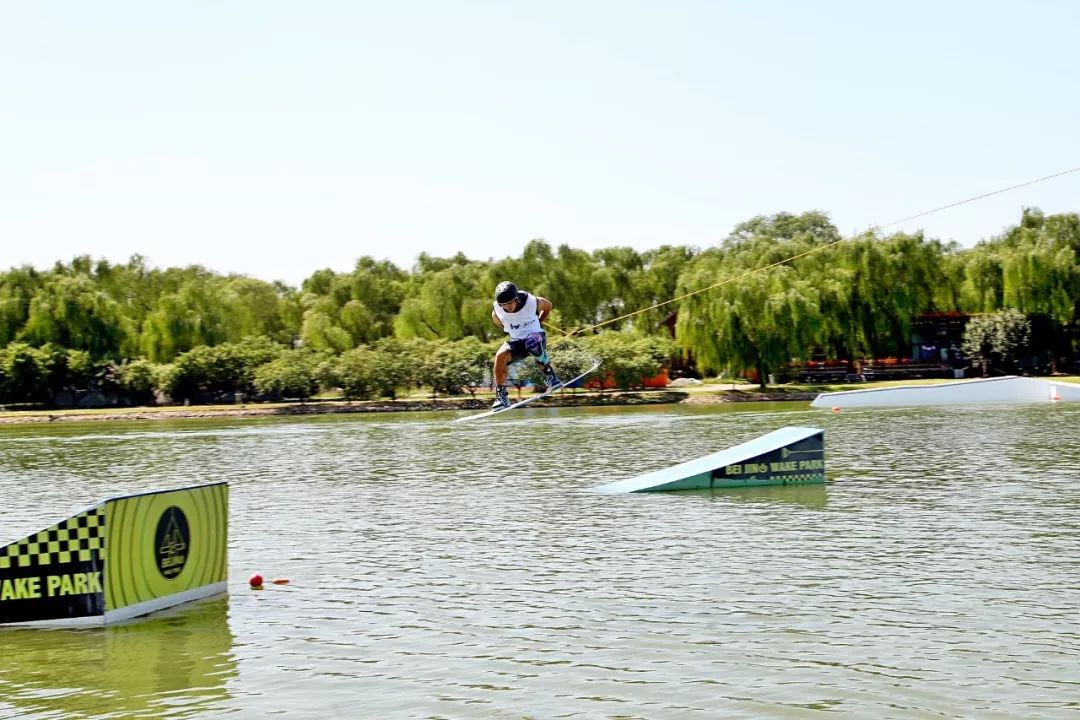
[(526, 401)]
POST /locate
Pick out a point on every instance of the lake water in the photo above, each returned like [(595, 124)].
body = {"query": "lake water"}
[(466, 571)]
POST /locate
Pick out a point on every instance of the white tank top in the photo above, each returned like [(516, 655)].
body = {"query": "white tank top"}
[(522, 323)]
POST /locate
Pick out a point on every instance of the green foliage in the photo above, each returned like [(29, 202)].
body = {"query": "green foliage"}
[(378, 370), (757, 324), (781, 285), (23, 374), (319, 333), (391, 367), (72, 312), (525, 372), (356, 373), (995, 338), (628, 357), (360, 306), (786, 285), (450, 367), (1032, 267), (293, 374), (73, 368), (138, 377), (200, 371), (889, 282), (249, 354), (569, 357), (30, 374), (578, 287), (17, 290), (220, 371), (195, 314), (255, 309), (451, 302), (756, 319)]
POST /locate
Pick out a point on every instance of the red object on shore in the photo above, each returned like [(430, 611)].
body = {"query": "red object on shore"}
[(660, 380), (607, 381)]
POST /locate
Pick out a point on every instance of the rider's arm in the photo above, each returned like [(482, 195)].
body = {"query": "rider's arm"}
[(543, 308), (495, 319)]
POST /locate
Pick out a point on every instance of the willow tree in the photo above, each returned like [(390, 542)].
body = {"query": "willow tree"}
[(983, 288), (759, 322), (1032, 267), (531, 270), (764, 310), (328, 320), (953, 271), (1039, 278), (70, 311), (17, 288), (450, 303), (1039, 265), (363, 302), (659, 283), (255, 307), (358, 320), (893, 280), (624, 270), (840, 333), (196, 314), (576, 286), (375, 292), (135, 287), (320, 332)]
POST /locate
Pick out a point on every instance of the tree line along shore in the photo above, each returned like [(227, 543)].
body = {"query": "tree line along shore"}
[(781, 293), (698, 394)]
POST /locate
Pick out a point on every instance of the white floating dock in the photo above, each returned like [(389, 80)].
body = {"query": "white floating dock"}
[(1008, 389), (788, 456)]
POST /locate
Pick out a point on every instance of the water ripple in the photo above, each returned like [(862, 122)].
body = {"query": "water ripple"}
[(468, 571)]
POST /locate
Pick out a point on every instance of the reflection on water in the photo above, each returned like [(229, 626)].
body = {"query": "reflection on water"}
[(811, 496), (467, 571), (180, 658)]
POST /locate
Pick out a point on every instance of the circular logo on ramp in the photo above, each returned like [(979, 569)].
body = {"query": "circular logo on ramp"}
[(171, 542)]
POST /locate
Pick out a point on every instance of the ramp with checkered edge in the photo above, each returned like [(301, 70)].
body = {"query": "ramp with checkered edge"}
[(56, 572), (788, 456), (124, 557)]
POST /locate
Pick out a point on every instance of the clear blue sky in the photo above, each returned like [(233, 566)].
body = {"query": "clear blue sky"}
[(275, 139)]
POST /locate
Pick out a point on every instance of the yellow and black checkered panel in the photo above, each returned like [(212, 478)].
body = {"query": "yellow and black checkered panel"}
[(78, 539)]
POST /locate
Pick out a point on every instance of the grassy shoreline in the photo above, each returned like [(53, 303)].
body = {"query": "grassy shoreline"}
[(707, 393), (411, 403)]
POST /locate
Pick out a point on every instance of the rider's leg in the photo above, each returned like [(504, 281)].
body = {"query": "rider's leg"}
[(499, 371), (536, 344), (502, 362)]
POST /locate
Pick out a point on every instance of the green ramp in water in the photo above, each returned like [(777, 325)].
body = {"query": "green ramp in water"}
[(788, 456)]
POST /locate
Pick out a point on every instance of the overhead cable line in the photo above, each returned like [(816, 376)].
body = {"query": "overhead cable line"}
[(816, 249)]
